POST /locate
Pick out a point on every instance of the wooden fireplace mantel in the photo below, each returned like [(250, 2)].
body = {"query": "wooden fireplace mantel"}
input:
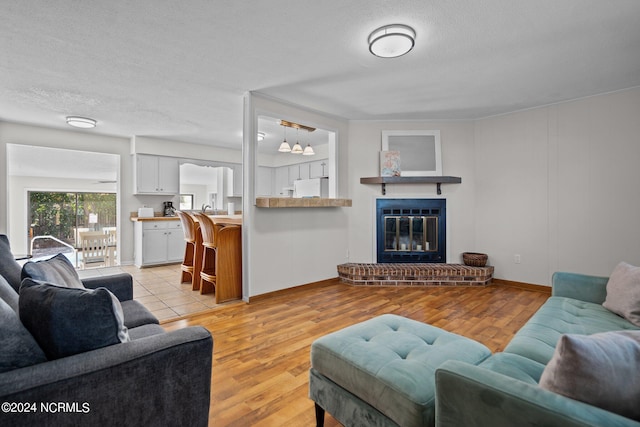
[(384, 180)]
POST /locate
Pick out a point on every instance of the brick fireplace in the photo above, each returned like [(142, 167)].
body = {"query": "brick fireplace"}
[(411, 247)]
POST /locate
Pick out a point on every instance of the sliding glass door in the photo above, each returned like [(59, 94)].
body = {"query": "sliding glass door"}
[(64, 215)]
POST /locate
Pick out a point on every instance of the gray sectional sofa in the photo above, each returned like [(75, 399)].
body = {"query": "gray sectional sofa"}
[(505, 389), (79, 355)]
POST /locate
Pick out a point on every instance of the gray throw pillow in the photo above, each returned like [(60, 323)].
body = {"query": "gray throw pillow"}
[(57, 270), (9, 267), (19, 349), (623, 292), (8, 294), (599, 369), (66, 321)]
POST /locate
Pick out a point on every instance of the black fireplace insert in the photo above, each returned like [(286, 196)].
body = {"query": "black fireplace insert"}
[(411, 230)]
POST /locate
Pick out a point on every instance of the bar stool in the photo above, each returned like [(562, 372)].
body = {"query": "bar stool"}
[(208, 272), (190, 228), (229, 263)]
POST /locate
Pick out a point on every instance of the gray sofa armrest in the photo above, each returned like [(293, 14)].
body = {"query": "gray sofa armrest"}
[(160, 380), (468, 395), (579, 286), (121, 285)]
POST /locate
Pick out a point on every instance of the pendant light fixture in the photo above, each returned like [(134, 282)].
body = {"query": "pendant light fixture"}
[(285, 147), (297, 149)]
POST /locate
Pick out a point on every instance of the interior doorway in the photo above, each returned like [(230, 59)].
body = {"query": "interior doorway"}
[(67, 184)]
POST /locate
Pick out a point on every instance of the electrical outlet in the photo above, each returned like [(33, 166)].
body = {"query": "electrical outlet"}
[(517, 258)]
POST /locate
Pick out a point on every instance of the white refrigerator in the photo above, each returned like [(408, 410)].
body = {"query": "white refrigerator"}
[(316, 187)]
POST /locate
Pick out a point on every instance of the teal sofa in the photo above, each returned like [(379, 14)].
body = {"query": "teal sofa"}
[(503, 390)]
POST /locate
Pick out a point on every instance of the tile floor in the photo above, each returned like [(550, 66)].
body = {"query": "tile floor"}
[(160, 290)]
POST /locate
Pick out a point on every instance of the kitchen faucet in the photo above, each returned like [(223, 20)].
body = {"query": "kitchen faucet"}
[(204, 207)]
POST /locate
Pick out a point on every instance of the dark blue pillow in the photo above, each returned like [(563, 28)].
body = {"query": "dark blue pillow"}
[(19, 349), (67, 321), (57, 270), (9, 267)]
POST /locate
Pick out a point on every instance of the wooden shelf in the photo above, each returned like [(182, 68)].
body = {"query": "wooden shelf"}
[(384, 180), (305, 202)]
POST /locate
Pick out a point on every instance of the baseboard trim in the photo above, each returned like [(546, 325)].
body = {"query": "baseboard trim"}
[(521, 285), (312, 285), (319, 284)]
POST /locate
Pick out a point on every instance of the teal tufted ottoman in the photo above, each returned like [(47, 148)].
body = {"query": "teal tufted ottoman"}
[(381, 372)]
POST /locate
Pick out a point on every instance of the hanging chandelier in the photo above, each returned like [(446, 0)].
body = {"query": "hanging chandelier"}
[(297, 148)]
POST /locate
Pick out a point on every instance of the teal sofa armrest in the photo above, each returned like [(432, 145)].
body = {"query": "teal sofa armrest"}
[(468, 395), (579, 286)]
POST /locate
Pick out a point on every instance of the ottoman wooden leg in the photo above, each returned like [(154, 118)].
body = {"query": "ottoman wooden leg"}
[(319, 416)]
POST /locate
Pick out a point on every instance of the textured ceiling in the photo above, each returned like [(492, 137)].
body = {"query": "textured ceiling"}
[(178, 70)]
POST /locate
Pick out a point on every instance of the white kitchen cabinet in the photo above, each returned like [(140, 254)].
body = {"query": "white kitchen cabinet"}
[(237, 180), (317, 170), (156, 175), (294, 174), (281, 180), (264, 181), (304, 170), (158, 242)]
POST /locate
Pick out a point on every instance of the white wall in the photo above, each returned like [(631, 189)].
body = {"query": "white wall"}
[(457, 160), (200, 194), (294, 246), (556, 185), (559, 186)]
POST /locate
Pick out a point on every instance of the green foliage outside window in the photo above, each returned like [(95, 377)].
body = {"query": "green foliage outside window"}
[(60, 214)]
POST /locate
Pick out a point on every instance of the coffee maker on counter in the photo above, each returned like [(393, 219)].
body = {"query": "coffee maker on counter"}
[(169, 210)]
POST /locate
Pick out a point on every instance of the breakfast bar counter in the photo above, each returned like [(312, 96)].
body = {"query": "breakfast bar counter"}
[(218, 219)]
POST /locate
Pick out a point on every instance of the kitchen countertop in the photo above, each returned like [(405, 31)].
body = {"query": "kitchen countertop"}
[(305, 202), (176, 218)]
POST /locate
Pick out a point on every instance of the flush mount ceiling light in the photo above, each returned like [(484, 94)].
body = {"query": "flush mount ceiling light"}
[(392, 41), (81, 122)]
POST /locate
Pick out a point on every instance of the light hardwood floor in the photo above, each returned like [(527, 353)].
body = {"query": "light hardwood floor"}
[(160, 290), (261, 350)]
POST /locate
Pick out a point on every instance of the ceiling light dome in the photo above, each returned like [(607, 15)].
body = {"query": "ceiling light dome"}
[(81, 122), (392, 41)]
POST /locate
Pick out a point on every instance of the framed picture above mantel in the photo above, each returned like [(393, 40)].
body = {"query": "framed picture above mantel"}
[(420, 151)]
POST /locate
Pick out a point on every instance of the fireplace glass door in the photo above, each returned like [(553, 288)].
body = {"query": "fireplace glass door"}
[(411, 233), (411, 230)]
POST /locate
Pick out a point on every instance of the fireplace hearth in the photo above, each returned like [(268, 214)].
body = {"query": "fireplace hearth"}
[(411, 230)]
